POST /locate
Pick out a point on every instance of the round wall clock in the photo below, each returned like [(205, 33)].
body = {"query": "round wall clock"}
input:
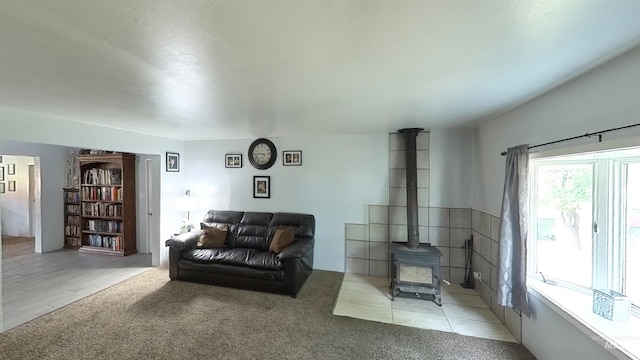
[(262, 154)]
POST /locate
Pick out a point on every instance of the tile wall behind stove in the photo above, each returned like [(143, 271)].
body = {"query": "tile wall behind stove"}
[(486, 240), (367, 245)]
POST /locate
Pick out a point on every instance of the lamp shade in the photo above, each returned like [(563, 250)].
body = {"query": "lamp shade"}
[(186, 203)]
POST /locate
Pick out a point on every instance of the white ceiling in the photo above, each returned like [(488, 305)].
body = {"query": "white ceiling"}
[(241, 69)]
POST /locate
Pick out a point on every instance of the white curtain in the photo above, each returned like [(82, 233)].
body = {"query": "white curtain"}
[(512, 254)]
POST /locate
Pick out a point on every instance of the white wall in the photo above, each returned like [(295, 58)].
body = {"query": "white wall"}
[(450, 169), (1, 290), (551, 337), (15, 204), (339, 177), (604, 98)]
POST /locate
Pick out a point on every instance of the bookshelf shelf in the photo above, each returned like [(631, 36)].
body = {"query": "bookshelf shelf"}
[(101, 185), (102, 217), (108, 204), (96, 185), (72, 218), (101, 232), (102, 201), (101, 250)]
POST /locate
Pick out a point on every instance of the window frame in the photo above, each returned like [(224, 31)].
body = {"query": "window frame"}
[(609, 212), (621, 246), (532, 231)]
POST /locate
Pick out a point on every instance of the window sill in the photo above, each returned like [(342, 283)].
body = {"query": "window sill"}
[(622, 339)]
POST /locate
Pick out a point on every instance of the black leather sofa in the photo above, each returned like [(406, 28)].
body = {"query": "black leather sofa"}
[(246, 262)]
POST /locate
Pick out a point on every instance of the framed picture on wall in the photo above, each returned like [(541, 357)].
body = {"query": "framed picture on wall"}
[(262, 187), (11, 169), (233, 160), (173, 162), (292, 158), (1, 188), (12, 185), (1, 173)]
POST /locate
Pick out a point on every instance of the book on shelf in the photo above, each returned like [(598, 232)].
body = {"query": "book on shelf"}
[(73, 241), (101, 210), (73, 209), (104, 226), (115, 176), (102, 193), (99, 176), (72, 230), (71, 197), (105, 241)]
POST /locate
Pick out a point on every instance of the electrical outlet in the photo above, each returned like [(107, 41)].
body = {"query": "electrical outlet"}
[(477, 275)]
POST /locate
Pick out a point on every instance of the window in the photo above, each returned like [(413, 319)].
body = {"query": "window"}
[(585, 221), (631, 285), (563, 211)]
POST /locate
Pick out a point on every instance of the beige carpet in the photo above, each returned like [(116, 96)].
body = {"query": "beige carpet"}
[(150, 317), (13, 246)]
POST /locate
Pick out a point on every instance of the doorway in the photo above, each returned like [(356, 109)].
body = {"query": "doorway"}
[(148, 205), (20, 205)]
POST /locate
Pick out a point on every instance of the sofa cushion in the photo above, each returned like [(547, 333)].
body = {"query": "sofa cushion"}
[(256, 218), (223, 217), (303, 224), (230, 272), (265, 260), (252, 231), (252, 236), (237, 256), (282, 238), (212, 237)]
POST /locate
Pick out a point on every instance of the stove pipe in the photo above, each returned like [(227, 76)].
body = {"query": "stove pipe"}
[(413, 233)]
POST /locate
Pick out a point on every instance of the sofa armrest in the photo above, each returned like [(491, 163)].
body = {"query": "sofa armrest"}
[(298, 249), (184, 241)]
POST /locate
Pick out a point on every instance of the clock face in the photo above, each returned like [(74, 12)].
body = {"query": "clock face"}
[(262, 154)]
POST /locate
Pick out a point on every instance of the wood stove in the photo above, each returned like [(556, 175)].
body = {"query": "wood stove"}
[(415, 273), (414, 268)]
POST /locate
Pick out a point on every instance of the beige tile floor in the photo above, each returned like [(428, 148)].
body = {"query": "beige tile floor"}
[(463, 311)]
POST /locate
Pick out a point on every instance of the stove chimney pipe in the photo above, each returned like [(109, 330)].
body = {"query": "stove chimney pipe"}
[(410, 135)]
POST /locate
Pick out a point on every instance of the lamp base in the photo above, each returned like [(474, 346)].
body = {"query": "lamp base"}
[(186, 226)]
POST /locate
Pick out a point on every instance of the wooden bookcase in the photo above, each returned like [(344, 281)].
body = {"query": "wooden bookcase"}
[(72, 219), (108, 203)]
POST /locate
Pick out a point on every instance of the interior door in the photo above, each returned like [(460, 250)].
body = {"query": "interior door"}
[(32, 201), (149, 202)]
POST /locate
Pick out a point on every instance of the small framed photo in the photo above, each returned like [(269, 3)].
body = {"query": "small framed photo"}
[(12, 185), (262, 187), (11, 169), (292, 158), (1, 173), (2, 190), (233, 160), (173, 162)]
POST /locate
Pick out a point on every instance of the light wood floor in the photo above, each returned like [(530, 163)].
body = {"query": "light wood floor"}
[(13, 246), (35, 284)]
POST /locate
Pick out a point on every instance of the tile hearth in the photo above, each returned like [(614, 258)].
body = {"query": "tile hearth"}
[(463, 311)]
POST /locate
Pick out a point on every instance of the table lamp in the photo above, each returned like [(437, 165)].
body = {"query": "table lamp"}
[(186, 203)]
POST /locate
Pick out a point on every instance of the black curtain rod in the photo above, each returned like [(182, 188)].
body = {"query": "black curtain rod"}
[(599, 133)]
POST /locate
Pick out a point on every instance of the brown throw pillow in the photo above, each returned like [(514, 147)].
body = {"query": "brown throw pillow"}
[(282, 238), (212, 237)]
